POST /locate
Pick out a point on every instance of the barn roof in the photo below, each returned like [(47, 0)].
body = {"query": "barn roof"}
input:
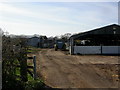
[(110, 30)]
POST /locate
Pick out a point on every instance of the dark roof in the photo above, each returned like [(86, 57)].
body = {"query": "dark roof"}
[(113, 29), (43, 37), (33, 37)]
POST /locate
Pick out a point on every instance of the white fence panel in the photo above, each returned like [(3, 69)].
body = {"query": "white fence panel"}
[(87, 49), (110, 49), (70, 50)]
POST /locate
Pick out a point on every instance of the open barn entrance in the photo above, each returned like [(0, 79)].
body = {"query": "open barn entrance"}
[(104, 40)]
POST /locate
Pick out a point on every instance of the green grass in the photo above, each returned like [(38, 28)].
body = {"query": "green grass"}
[(30, 78), (18, 71), (18, 74), (30, 63), (31, 84), (33, 49), (34, 85)]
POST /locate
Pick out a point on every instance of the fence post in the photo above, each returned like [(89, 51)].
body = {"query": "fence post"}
[(101, 47), (34, 67), (23, 67)]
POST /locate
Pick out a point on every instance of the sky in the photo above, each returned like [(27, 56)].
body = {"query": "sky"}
[(56, 18)]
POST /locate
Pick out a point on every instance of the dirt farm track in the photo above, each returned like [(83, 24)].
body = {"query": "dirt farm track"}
[(62, 70)]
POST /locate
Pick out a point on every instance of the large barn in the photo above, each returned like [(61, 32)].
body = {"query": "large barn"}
[(104, 40)]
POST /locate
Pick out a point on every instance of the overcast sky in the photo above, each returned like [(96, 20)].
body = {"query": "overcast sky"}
[(56, 18)]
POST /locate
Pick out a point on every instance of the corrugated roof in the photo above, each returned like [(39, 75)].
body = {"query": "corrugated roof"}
[(113, 29)]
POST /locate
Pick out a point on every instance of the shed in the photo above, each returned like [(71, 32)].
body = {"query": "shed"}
[(104, 40), (34, 41)]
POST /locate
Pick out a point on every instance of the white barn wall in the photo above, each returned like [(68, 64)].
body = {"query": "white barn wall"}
[(96, 50), (70, 50), (87, 49), (110, 49)]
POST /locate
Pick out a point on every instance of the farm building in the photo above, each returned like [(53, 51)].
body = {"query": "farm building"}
[(104, 40), (34, 41), (41, 42), (37, 41), (46, 42), (51, 42)]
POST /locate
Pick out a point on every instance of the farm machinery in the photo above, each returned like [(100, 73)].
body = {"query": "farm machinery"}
[(60, 44)]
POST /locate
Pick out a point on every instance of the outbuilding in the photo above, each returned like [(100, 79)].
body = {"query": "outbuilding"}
[(104, 40), (33, 41)]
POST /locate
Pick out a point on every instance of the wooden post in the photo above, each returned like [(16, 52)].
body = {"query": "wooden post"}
[(72, 46), (23, 59), (23, 67), (34, 67)]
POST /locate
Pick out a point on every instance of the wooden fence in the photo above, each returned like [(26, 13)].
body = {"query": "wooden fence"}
[(24, 68)]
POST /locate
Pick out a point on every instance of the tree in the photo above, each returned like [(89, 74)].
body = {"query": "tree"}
[(66, 36)]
